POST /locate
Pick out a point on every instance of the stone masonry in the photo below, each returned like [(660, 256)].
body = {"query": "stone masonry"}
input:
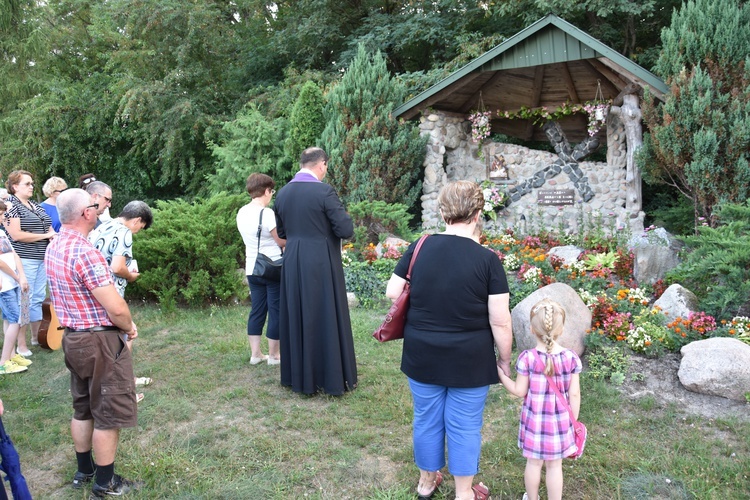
[(600, 188)]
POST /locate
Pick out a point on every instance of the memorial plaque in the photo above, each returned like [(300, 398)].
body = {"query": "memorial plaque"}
[(556, 197)]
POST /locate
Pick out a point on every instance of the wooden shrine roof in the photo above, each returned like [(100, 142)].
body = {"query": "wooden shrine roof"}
[(547, 64)]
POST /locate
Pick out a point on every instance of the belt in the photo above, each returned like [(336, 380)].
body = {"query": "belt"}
[(94, 329)]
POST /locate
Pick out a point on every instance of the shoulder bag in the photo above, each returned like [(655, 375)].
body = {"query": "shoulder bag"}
[(392, 327), (579, 429), (265, 267)]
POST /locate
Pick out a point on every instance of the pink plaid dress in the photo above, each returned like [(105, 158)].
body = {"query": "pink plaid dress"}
[(545, 431)]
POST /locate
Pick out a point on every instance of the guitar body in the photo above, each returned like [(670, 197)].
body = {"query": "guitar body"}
[(50, 331)]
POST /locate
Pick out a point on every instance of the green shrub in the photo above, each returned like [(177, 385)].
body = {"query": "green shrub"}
[(191, 253), (375, 218), (716, 263), (367, 283)]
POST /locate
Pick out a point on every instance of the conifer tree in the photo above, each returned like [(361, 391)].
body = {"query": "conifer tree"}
[(306, 122), (699, 139), (372, 155)]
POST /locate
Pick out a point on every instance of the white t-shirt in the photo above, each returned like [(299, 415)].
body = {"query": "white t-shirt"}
[(7, 256), (247, 223)]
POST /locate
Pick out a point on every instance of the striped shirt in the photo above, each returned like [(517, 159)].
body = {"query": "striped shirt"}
[(74, 268), (32, 221)]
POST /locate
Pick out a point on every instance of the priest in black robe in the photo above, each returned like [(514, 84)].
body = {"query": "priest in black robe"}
[(315, 332)]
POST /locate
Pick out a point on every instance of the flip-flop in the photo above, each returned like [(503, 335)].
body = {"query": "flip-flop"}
[(139, 397), (438, 482), (481, 492), (143, 381)]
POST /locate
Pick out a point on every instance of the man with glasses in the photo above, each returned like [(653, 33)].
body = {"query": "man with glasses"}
[(97, 323), (101, 194)]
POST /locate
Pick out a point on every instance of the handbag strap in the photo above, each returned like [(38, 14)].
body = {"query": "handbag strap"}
[(414, 256), (552, 383), (260, 226)]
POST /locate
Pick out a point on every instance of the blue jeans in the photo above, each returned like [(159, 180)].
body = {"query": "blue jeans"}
[(36, 275), (10, 305), (452, 412), (264, 299)]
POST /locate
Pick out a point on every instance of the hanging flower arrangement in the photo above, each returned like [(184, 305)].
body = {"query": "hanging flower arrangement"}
[(597, 111), (480, 125)]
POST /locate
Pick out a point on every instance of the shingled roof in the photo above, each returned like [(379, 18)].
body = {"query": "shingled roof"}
[(547, 64)]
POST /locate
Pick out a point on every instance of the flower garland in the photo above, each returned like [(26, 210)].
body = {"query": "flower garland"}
[(596, 110)]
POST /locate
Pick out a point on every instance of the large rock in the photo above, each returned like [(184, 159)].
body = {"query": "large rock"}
[(717, 366), (569, 253), (577, 318), (677, 302), (655, 254)]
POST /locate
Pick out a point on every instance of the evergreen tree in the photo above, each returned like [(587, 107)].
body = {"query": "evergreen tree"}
[(699, 139), (372, 156), (306, 122)]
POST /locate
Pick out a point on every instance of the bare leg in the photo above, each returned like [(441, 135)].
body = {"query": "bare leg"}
[(273, 349), (11, 333), (255, 346), (81, 430), (105, 445), (427, 482), (35, 331), (554, 479), (21, 339), (532, 477), (463, 487)]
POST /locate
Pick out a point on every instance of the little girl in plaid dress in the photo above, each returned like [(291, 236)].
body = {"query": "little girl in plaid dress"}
[(545, 434)]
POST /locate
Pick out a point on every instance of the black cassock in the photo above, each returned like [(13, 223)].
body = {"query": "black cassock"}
[(315, 332)]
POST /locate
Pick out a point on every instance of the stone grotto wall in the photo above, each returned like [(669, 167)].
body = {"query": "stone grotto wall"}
[(600, 188)]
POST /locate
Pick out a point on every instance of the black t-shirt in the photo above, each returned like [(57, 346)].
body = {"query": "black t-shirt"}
[(447, 339)]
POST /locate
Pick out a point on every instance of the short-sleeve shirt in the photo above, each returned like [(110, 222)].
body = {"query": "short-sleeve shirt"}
[(112, 239), (74, 268), (53, 215), (7, 256), (447, 338), (34, 221), (247, 224), (545, 431)]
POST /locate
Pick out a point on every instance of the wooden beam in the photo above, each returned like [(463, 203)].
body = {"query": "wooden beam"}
[(611, 79), (473, 101), (440, 95), (536, 97), (569, 84), (608, 63)]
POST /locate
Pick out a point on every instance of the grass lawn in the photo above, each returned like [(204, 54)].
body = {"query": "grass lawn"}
[(212, 426)]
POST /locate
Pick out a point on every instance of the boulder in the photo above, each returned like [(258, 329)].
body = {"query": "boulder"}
[(718, 366), (577, 318), (569, 253), (677, 302), (352, 300), (655, 254)]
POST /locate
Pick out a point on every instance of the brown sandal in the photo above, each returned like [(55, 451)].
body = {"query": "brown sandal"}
[(437, 482), (481, 492)]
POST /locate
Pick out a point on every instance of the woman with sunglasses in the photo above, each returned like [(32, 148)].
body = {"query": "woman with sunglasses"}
[(30, 229)]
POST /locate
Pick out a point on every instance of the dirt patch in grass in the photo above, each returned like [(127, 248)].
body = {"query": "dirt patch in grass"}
[(658, 378)]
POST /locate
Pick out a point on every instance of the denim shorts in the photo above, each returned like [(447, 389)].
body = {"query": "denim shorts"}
[(9, 304)]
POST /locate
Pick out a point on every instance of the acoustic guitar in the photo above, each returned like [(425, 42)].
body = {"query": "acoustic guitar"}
[(50, 331)]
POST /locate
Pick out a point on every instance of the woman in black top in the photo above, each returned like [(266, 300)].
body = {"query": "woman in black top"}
[(458, 317), (30, 229)]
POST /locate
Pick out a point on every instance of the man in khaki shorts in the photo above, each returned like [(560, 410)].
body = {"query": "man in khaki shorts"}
[(97, 323)]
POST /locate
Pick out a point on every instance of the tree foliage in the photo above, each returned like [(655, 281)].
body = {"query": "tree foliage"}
[(699, 140), (306, 122), (372, 156)]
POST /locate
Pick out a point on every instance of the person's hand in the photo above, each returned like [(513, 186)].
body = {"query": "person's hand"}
[(504, 366), (24, 284), (133, 276), (133, 333)]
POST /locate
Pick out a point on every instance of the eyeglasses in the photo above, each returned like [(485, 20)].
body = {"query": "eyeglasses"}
[(28, 184), (58, 190), (273, 192), (109, 200), (88, 181), (93, 205)]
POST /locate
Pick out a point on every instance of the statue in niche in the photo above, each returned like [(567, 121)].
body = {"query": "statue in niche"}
[(498, 168)]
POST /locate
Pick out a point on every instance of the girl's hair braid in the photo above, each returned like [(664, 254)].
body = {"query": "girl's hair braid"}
[(547, 321)]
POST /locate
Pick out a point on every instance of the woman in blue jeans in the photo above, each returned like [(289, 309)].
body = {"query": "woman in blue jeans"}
[(264, 294), (458, 318), (30, 229)]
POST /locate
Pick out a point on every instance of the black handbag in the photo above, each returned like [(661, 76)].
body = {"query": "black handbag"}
[(265, 267)]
